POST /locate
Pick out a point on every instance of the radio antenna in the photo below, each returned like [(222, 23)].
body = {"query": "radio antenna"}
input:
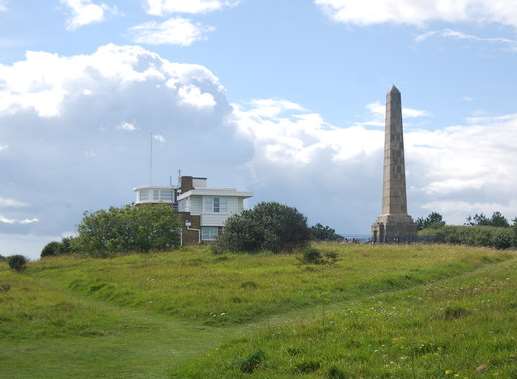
[(151, 161)]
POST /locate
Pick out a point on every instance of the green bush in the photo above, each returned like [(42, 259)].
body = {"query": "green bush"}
[(502, 241), (17, 262), (131, 228), (487, 236), (2, 258), (308, 367), (268, 226), (312, 256), (321, 232), (251, 363), (56, 248), (52, 249), (336, 373)]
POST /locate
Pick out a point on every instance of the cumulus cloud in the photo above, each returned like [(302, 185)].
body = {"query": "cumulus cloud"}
[(162, 7), (174, 31), (75, 154), (85, 12), (342, 167), (420, 12)]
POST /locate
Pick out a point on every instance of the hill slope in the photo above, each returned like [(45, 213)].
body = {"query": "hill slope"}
[(415, 311)]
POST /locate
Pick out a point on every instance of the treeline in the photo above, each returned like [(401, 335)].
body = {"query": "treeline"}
[(268, 226), (478, 230)]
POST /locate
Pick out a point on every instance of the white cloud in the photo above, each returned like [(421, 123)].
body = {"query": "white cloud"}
[(3, 147), (468, 163), (511, 44), (85, 12), (159, 138), (162, 7), (6, 202), (11, 221), (3, 5), (420, 12), (193, 96), (44, 81), (127, 126), (174, 31)]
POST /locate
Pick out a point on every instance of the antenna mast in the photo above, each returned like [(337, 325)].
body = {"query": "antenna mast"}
[(151, 162)]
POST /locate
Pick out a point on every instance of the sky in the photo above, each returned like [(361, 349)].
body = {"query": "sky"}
[(281, 98)]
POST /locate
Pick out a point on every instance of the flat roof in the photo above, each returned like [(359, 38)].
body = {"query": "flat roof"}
[(215, 192), (154, 188)]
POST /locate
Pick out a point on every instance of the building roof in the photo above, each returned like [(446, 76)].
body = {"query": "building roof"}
[(154, 188), (215, 192)]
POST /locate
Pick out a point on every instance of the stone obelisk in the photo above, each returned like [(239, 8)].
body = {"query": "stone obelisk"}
[(394, 225)]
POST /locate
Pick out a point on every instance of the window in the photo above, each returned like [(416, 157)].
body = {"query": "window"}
[(219, 205), (166, 196), (143, 195), (209, 233)]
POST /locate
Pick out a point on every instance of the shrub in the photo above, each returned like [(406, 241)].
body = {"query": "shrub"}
[(251, 363), (2, 258), (5, 287), (488, 236), (502, 241), (454, 313), (131, 228), (321, 232), (52, 249), (268, 226), (17, 262), (312, 256), (307, 367), (335, 373)]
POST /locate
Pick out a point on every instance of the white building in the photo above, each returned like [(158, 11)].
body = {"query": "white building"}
[(203, 211), (206, 209), (155, 195)]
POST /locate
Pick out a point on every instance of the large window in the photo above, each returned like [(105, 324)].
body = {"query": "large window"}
[(219, 205), (209, 233)]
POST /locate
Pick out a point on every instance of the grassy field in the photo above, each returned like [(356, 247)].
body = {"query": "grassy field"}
[(383, 311)]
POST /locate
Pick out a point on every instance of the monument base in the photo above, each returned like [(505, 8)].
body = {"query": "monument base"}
[(394, 229)]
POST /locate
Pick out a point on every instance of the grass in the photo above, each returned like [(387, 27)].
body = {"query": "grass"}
[(384, 311)]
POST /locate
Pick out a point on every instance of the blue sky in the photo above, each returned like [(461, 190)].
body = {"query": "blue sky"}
[(282, 98)]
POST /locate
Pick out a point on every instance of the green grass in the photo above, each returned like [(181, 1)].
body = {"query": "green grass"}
[(383, 311)]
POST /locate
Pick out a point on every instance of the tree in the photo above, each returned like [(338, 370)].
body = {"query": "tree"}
[(52, 249), (56, 248), (497, 220), (268, 226), (17, 262), (434, 220), (131, 228), (321, 232)]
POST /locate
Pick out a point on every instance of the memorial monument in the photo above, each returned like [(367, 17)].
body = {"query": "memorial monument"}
[(394, 225)]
